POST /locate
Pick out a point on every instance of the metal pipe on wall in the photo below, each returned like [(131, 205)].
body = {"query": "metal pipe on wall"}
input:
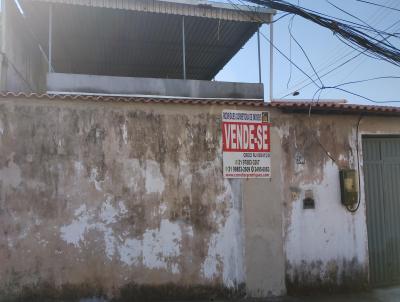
[(259, 56), (271, 60), (3, 67), (183, 48), (50, 37)]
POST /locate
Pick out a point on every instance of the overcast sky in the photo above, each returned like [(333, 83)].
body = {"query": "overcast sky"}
[(325, 52)]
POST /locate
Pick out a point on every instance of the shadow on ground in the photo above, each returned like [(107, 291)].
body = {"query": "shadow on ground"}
[(390, 294)]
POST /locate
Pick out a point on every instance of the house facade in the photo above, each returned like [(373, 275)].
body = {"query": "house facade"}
[(111, 178), (113, 196)]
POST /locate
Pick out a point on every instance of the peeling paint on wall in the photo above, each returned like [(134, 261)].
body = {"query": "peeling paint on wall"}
[(225, 246), (88, 198), (325, 247), (154, 179)]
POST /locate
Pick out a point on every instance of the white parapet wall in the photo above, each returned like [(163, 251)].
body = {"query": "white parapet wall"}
[(92, 84)]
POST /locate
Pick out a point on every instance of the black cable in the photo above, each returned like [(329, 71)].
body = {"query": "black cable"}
[(367, 80), (335, 68), (281, 17), (290, 52), (311, 128), (305, 54), (277, 49), (253, 9), (292, 37), (349, 33), (354, 24), (308, 11), (359, 95), (359, 19), (380, 5), (319, 88)]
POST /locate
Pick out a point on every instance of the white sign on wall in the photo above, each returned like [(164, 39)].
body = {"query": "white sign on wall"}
[(246, 144)]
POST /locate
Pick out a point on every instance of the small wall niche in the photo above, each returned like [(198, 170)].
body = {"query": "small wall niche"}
[(308, 201)]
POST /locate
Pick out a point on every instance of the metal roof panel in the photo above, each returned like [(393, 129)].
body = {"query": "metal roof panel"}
[(103, 41), (192, 8)]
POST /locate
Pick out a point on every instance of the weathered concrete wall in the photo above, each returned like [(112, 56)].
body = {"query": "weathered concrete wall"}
[(126, 199), (116, 200), (265, 264), (326, 248)]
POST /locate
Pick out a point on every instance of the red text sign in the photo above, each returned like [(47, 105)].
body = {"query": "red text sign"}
[(246, 137), (246, 144)]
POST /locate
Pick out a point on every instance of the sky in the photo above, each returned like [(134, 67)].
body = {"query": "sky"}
[(325, 52)]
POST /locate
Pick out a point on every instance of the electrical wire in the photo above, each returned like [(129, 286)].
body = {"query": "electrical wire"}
[(290, 51), (374, 19), (354, 35), (380, 5), (367, 80), (337, 87), (281, 17), (277, 49), (380, 54), (319, 92), (353, 210), (337, 67), (358, 95), (334, 62), (362, 21), (364, 52), (305, 54), (289, 59)]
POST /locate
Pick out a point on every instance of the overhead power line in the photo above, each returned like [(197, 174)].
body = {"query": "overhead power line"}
[(357, 36), (355, 54), (274, 46), (321, 88), (379, 5), (340, 53)]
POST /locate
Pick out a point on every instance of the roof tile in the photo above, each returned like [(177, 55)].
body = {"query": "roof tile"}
[(292, 106)]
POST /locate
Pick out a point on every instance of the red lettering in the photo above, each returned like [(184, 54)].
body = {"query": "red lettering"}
[(227, 136), (246, 137), (251, 137), (240, 136), (265, 144), (233, 135), (259, 137)]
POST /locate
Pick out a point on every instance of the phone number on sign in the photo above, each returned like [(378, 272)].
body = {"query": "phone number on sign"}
[(250, 169)]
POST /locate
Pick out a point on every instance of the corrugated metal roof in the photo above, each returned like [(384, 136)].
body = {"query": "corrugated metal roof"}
[(192, 8), (131, 43), (301, 107)]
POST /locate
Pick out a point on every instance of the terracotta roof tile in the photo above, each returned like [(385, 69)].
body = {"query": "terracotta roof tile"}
[(132, 99), (334, 107), (287, 106)]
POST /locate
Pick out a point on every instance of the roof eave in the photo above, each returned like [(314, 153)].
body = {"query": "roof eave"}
[(190, 8)]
